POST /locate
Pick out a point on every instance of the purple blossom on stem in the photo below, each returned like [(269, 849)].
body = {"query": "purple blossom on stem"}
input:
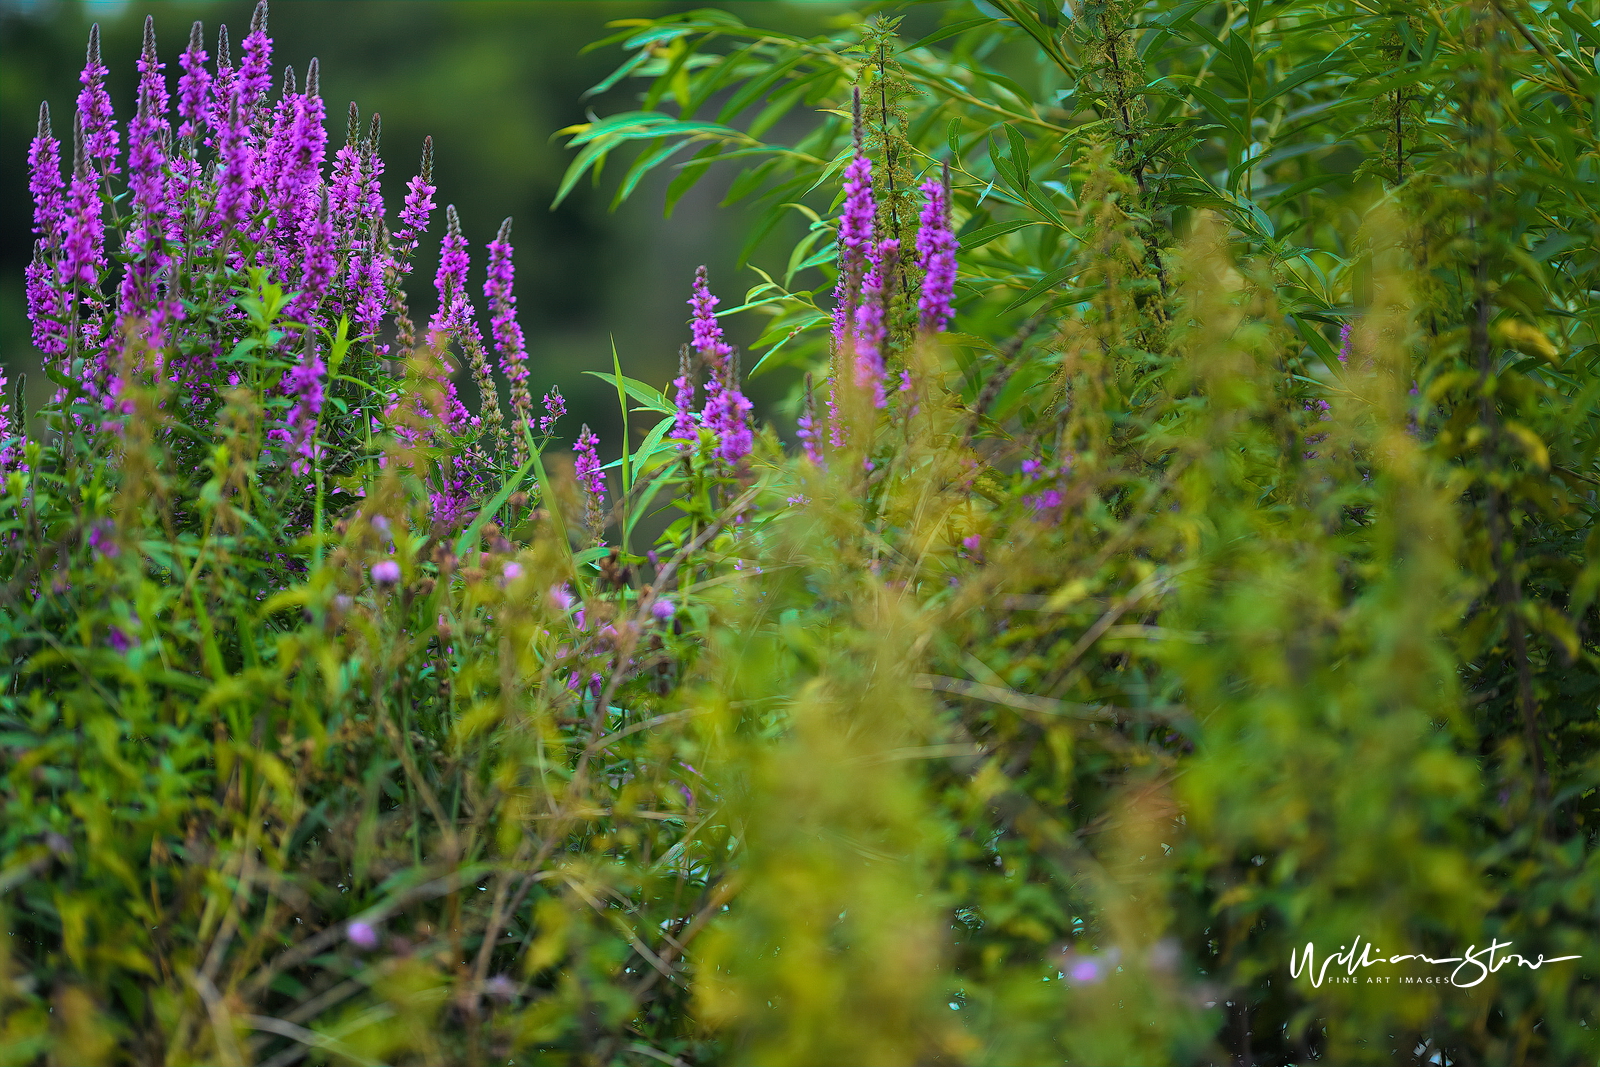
[(684, 424), (936, 256), (808, 431), (318, 261), (254, 77), (385, 572), (1344, 343), (587, 465), (727, 410), (707, 331), (9, 453), (503, 326), (221, 87), (306, 149), (194, 85), (727, 413), (237, 177), (84, 238), (45, 184), (147, 186), (47, 307), (99, 147), (871, 326), (555, 406), (417, 208), (303, 382), (857, 227), (451, 278)]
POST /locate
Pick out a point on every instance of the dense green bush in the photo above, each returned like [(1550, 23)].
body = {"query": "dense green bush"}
[(1221, 582)]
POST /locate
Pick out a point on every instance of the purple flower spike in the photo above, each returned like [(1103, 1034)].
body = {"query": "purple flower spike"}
[(194, 85), (451, 278), (871, 327), (237, 178), (809, 433), (858, 226), (362, 936), (663, 610), (47, 306), (684, 425), (147, 185), (936, 256), (418, 206), (1344, 343), (707, 331), (304, 383), (555, 406), (727, 410), (99, 130), (44, 182), (385, 572), (508, 340), (587, 465), (254, 77), (8, 453)]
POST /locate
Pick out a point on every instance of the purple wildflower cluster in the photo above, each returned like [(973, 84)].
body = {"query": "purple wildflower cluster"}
[(229, 186), (869, 264), (727, 410)]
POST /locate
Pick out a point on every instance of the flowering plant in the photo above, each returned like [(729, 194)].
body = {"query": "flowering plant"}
[(1162, 577)]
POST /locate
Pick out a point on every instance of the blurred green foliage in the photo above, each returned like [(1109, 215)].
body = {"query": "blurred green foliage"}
[(1157, 635)]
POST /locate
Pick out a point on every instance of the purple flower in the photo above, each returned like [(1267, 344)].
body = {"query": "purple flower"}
[(561, 596), (555, 406), (362, 935), (684, 424), (418, 206), (451, 278), (587, 465), (727, 414), (317, 256), (1344, 343), (237, 177), (44, 182), (707, 331), (727, 410), (254, 77), (194, 84), (871, 329), (147, 186), (221, 86), (304, 152), (936, 256), (808, 432), (118, 640), (98, 125), (508, 340), (663, 609), (8, 452), (304, 382), (857, 230), (386, 572), (102, 539), (512, 572)]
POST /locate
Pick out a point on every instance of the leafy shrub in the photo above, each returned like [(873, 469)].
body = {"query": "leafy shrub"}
[(1198, 564)]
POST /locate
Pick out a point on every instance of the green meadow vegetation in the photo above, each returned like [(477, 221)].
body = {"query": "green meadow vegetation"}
[(1199, 566)]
